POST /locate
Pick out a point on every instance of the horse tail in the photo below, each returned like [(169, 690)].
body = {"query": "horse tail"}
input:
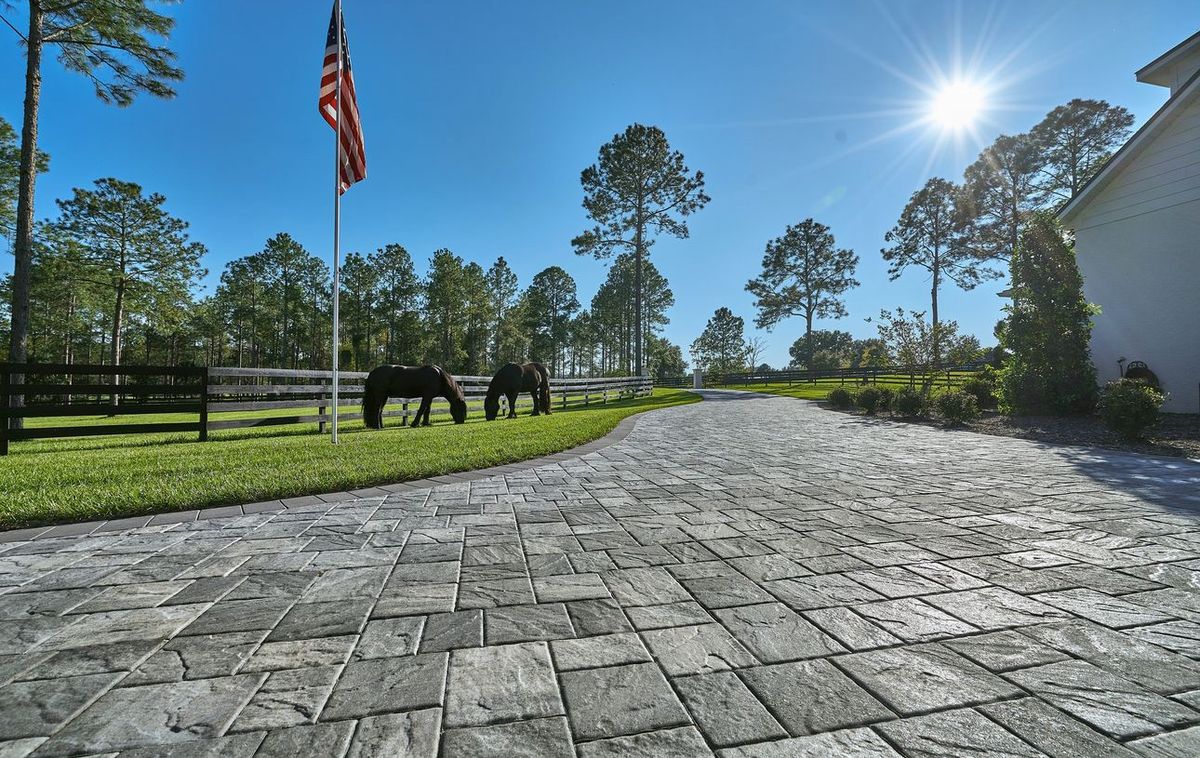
[(545, 393), (374, 398)]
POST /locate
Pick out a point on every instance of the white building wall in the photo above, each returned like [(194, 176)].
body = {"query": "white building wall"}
[(1144, 273), (1164, 174)]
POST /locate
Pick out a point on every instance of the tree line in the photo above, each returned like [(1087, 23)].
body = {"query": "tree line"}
[(962, 233), (83, 290), (116, 280)]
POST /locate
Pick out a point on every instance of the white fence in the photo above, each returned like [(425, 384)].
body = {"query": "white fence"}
[(304, 397)]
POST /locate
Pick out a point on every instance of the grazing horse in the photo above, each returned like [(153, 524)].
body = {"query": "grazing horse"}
[(425, 382), (511, 380)]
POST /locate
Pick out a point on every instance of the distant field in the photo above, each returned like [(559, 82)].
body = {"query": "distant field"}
[(51, 481), (819, 389)]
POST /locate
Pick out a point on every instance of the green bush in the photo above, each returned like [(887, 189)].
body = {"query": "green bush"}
[(982, 389), (868, 400), (840, 398), (1025, 389), (957, 407), (887, 396), (909, 403), (1129, 407), (1047, 328)]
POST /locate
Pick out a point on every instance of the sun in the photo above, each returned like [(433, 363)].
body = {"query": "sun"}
[(957, 105)]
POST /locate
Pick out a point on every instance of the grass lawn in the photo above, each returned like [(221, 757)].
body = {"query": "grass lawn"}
[(54, 481)]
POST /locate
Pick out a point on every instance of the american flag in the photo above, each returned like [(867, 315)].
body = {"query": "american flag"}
[(352, 158)]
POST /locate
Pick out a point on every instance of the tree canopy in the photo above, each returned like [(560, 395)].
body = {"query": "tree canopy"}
[(721, 347), (934, 234), (1073, 142), (804, 273)]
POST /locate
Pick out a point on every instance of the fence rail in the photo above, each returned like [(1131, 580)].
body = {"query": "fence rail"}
[(242, 389), (911, 375), (277, 396), (50, 390)]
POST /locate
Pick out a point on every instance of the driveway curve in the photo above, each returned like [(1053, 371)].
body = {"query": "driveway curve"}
[(747, 576)]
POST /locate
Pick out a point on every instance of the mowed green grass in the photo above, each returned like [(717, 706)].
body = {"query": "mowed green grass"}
[(54, 481), (819, 389)]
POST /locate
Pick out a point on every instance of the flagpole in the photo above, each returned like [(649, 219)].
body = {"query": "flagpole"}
[(337, 212)]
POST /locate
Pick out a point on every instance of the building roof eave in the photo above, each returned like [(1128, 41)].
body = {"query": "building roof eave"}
[(1131, 148)]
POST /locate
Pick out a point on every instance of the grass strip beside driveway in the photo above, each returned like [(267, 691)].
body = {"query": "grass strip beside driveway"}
[(115, 477)]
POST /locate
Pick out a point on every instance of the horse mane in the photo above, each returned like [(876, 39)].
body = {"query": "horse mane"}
[(452, 387)]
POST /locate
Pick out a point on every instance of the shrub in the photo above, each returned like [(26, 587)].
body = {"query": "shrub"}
[(887, 396), (957, 407), (1129, 407), (982, 389), (909, 403), (868, 400), (840, 398), (1025, 389)]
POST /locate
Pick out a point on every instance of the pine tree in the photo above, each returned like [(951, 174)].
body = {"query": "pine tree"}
[(551, 301), (107, 42), (804, 273), (1073, 142), (999, 196), (637, 189), (132, 243), (721, 347), (445, 309), (399, 303), (357, 303), (934, 234), (503, 291)]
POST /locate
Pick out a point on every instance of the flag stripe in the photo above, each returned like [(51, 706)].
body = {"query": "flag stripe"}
[(352, 157)]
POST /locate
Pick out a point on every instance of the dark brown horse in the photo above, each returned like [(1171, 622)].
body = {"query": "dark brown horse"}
[(425, 382), (511, 380)]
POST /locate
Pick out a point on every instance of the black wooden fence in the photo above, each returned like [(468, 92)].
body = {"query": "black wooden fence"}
[(49, 390), (276, 396)]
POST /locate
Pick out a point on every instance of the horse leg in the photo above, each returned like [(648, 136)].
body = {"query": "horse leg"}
[(537, 403), (426, 402), (546, 398), (512, 403)]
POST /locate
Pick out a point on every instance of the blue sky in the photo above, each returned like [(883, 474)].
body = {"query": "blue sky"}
[(479, 117)]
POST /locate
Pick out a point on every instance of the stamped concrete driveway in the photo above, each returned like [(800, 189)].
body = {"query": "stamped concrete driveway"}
[(747, 576)]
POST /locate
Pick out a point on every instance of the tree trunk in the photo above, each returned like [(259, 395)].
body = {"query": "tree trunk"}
[(934, 314), (118, 314), (18, 351), (637, 292), (808, 345)]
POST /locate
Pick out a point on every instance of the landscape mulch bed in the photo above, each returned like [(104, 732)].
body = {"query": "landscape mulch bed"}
[(1178, 434)]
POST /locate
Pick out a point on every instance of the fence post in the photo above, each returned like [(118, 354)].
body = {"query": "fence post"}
[(4, 411), (566, 388), (321, 407), (404, 413), (204, 404)]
